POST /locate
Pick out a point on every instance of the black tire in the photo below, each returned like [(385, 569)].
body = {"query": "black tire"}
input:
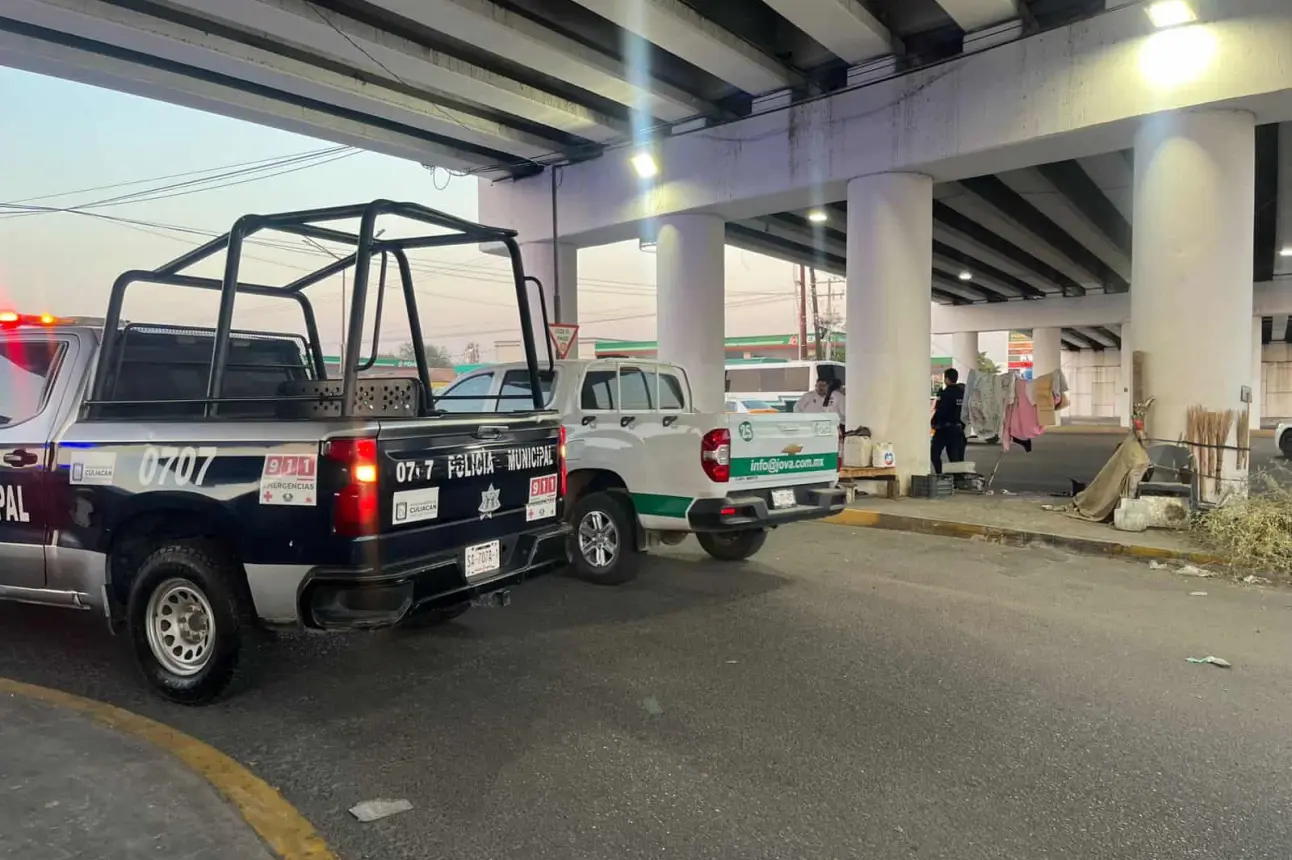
[(610, 515), (1285, 444), (177, 574), (732, 546), (437, 616)]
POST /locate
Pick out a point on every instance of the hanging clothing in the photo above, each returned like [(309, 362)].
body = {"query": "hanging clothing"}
[(1021, 424), (971, 382), (992, 394)]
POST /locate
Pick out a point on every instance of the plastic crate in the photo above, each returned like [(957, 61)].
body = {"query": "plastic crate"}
[(932, 486)]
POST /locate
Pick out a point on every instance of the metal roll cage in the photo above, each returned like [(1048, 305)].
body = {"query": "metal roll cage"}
[(309, 223)]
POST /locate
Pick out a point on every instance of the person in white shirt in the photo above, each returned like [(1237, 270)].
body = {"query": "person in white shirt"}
[(826, 397)]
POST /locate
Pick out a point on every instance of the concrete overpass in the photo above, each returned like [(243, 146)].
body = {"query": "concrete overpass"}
[(1008, 160)]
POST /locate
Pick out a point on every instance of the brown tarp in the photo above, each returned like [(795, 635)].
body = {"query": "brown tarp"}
[(1118, 478)]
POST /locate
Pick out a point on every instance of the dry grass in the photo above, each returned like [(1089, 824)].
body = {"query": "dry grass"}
[(1254, 533)]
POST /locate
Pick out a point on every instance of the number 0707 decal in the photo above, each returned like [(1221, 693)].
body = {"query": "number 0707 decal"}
[(180, 467)]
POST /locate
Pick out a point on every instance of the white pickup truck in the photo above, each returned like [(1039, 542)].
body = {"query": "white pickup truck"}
[(646, 468)]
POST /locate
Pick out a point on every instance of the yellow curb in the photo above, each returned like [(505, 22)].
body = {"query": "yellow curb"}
[(276, 821), (862, 518)]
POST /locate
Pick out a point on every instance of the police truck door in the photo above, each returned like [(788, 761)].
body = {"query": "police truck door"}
[(29, 364)]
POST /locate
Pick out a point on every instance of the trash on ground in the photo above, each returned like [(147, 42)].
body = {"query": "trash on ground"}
[(375, 810), (1197, 594), (1193, 570), (652, 706), (1253, 579), (1157, 565), (1215, 661), (1051, 508)]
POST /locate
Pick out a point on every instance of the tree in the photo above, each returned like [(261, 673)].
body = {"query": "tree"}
[(436, 356), (986, 365)]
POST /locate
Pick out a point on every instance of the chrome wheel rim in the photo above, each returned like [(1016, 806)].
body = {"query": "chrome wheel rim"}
[(180, 627), (598, 539)]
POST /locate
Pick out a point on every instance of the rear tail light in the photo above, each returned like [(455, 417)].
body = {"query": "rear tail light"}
[(715, 455), (355, 508), (560, 454)]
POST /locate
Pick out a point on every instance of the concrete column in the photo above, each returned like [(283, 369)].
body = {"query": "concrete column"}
[(964, 352), (1126, 407), (1047, 350), (1191, 300), (890, 265), (556, 265), (1258, 358), (690, 310)]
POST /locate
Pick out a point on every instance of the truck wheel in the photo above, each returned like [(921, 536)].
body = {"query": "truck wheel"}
[(1285, 444), (190, 625), (603, 545), (732, 546)]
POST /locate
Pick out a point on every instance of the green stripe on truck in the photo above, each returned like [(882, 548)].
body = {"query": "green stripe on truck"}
[(783, 464), (648, 504)]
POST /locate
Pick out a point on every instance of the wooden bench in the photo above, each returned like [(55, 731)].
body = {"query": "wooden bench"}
[(850, 474)]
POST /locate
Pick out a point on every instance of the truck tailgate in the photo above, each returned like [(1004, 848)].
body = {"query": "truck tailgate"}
[(462, 484), (783, 450)]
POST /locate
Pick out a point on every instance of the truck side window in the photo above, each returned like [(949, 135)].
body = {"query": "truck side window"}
[(469, 395), (598, 391), (670, 393), (26, 375), (515, 395), (636, 389)]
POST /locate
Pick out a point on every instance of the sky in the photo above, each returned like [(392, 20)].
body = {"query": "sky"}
[(76, 139)]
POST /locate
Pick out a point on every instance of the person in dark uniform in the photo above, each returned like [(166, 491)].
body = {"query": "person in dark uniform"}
[(948, 429)]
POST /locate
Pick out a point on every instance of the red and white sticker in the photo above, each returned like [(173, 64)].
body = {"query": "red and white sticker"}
[(542, 488), (289, 479), (540, 510)]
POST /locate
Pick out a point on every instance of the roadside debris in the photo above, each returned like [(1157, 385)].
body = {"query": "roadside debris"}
[(1157, 565), (1197, 594), (1253, 579), (1215, 661), (375, 810), (652, 706), (1194, 570)]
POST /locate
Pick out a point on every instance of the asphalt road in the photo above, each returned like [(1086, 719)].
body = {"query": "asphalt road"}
[(849, 694), (1058, 457)]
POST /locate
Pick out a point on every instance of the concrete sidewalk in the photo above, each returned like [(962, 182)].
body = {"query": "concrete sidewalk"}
[(71, 787), (1020, 521)]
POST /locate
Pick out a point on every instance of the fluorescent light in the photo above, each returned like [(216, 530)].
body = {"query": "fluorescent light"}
[(1170, 13), (1286, 252), (966, 276), (645, 165), (816, 216)]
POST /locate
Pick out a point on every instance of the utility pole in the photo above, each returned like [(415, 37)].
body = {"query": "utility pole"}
[(802, 312), (816, 317)]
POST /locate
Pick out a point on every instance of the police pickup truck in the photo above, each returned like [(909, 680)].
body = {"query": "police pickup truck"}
[(199, 486), (647, 467)]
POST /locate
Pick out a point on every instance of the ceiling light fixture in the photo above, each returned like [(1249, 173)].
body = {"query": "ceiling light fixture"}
[(817, 216), (1170, 13), (966, 276), (1286, 252), (645, 165)]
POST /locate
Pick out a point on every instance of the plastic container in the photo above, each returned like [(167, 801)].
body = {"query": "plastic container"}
[(932, 486)]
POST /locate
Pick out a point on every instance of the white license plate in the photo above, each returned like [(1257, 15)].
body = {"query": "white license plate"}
[(483, 558), (782, 498)]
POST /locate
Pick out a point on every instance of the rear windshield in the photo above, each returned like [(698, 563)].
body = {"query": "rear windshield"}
[(26, 371)]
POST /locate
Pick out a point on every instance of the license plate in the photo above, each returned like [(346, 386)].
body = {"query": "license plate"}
[(483, 558), (782, 498)]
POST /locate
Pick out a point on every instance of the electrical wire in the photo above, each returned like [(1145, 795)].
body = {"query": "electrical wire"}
[(183, 174)]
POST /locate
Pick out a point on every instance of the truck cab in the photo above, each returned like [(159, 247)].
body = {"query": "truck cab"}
[(646, 467)]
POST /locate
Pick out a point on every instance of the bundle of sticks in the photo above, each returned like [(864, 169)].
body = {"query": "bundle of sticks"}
[(1207, 433)]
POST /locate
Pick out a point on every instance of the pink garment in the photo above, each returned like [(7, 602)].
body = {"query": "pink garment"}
[(1020, 417)]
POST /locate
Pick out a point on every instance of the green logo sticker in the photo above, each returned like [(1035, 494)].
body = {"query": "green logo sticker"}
[(746, 431)]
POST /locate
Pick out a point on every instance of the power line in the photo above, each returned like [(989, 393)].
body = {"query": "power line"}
[(184, 174)]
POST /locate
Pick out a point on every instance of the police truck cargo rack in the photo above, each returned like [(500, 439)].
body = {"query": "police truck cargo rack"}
[(199, 486)]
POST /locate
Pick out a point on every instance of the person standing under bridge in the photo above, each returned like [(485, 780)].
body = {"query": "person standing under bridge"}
[(948, 429)]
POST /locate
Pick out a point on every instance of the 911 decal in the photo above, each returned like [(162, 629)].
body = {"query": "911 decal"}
[(180, 466), (289, 479)]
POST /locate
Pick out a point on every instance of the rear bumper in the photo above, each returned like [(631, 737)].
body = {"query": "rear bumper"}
[(349, 599), (750, 509)]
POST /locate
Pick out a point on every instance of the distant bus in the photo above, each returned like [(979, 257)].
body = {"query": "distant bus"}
[(779, 382)]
